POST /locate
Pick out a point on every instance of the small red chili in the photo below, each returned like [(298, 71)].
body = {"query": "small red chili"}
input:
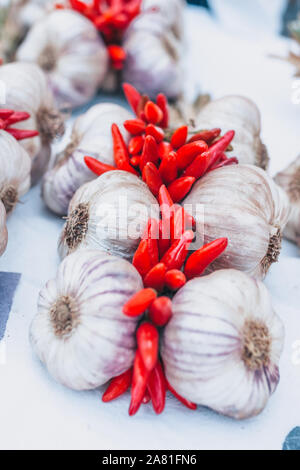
[(200, 259), (160, 311), (135, 126), (206, 135), (133, 96), (150, 152), (118, 386), (175, 279), (187, 153), (139, 302), (176, 254), (156, 132), (179, 188), (136, 144), (141, 259), (98, 167), (153, 113), (152, 177), (179, 137), (147, 341), (139, 384), (168, 168), (162, 102), (157, 388)]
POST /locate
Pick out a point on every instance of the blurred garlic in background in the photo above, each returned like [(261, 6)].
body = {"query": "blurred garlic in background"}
[(91, 135), (222, 351), (3, 229)]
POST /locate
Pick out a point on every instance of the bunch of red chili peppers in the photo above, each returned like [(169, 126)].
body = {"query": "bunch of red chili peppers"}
[(9, 117)]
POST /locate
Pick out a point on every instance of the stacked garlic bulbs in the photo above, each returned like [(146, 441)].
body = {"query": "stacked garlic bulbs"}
[(26, 89), (153, 44), (109, 214), (221, 348), (80, 332), (3, 229), (289, 180), (69, 49), (242, 203), (91, 135)]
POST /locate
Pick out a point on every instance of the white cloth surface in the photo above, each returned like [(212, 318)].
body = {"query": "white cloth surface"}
[(36, 412)]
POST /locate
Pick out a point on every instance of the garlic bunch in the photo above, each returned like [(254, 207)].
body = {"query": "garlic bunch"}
[(289, 180), (222, 351), (109, 214), (242, 115), (153, 44), (91, 135), (242, 203), (80, 332), (3, 229), (15, 167), (69, 49), (26, 89)]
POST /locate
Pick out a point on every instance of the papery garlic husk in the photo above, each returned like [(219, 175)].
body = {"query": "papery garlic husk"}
[(109, 214), (3, 229), (289, 180), (154, 48), (91, 135), (80, 332), (15, 167), (242, 203), (26, 89), (67, 46), (222, 347), (242, 115)]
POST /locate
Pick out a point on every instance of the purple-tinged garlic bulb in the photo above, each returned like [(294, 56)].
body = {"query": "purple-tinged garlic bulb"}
[(242, 203), (153, 44), (67, 46), (109, 214), (289, 180), (26, 89), (242, 115), (80, 332), (222, 347), (91, 135), (3, 229), (15, 167)]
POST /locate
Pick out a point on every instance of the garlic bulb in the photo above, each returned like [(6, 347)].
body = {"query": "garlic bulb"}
[(69, 49), (27, 90), (109, 214), (91, 135), (80, 332), (242, 203), (15, 167), (153, 44), (242, 115), (3, 229), (222, 351), (289, 180)]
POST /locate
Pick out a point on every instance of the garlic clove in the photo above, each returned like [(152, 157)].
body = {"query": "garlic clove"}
[(289, 180), (79, 331), (242, 203), (109, 214), (3, 229), (223, 351)]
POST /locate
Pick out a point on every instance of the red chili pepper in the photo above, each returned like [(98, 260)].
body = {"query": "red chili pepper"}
[(153, 113), (16, 117), (217, 149), (152, 178), (135, 145), (179, 137), (135, 126), (187, 403), (133, 8), (135, 161), (178, 223), (206, 135), (155, 278), (164, 149), (151, 231), (141, 259), (152, 237), (160, 311), (150, 152), (98, 167), (157, 388), (198, 167), (181, 187), (121, 154), (176, 254), (164, 237), (167, 209), (175, 279), (226, 162), (139, 302), (139, 384), (162, 102), (187, 153), (168, 168), (78, 5), (118, 386), (116, 53), (156, 132), (5, 113), (147, 341), (200, 259), (132, 95), (21, 134)]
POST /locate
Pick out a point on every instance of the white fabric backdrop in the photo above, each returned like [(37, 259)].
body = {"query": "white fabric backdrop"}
[(35, 412)]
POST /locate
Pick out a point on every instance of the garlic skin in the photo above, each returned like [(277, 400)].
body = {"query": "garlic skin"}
[(153, 44), (79, 331), (242, 115), (222, 351), (15, 167), (3, 229), (242, 203), (109, 214), (67, 46), (91, 135), (27, 90), (289, 180)]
